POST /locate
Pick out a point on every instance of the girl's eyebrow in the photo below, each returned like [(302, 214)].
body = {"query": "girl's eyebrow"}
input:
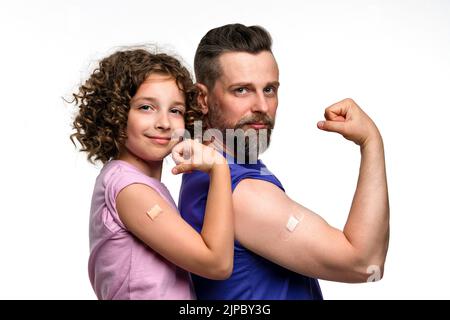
[(153, 100), (150, 99)]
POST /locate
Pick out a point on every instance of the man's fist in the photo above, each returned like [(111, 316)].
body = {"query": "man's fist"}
[(348, 119)]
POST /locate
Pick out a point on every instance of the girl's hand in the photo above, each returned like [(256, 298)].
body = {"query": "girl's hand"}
[(192, 155)]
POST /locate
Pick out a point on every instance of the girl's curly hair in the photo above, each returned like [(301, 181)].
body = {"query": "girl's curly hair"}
[(103, 101)]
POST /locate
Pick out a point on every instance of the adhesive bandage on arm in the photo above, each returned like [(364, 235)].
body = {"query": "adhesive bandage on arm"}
[(154, 212), (291, 225)]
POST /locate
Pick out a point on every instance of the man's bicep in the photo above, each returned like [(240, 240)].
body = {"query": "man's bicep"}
[(272, 225)]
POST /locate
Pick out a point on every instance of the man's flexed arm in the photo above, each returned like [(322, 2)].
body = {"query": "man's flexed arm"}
[(367, 226), (272, 225)]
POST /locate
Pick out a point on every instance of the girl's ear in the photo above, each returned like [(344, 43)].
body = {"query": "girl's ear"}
[(202, 98)]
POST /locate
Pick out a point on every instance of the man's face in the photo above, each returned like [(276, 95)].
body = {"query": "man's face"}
[(245, 95)]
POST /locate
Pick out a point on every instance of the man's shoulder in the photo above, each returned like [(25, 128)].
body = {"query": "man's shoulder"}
[(257, 171), (255, 168)]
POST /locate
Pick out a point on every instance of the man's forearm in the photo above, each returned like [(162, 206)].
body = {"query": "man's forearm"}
[(367, 227)]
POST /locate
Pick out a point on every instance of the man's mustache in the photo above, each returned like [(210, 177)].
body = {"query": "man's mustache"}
[(257, 118)]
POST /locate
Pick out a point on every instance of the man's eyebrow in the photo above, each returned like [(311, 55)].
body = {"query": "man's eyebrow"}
[(274, 83), (249, 84), (241, 84)]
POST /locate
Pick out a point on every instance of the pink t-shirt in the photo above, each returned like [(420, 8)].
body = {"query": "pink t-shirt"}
[(120, 265)]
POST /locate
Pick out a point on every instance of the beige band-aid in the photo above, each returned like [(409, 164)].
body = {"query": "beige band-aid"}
[(291, 225), (154, 212), (293, 222)]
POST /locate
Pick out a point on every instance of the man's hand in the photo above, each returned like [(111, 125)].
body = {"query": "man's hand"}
[(348, 119)]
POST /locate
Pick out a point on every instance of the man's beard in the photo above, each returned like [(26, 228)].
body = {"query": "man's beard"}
[(246, 144)]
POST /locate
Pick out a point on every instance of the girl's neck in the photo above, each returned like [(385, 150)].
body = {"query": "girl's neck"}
[(150, 168)]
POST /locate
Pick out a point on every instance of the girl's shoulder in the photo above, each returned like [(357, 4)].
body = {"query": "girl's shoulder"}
[(118, 174), (118, 170)]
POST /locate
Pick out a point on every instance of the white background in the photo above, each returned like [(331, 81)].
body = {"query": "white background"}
[(392, 57)]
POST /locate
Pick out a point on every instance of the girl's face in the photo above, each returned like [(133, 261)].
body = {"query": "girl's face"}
[(156, 113)]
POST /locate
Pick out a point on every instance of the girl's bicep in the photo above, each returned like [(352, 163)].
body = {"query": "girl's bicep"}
[(155, 222)]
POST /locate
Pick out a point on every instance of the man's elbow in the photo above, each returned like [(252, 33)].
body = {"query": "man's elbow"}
[(367, 265), (368, 271)]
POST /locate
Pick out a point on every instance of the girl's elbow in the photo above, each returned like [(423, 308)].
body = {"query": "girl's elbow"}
[(223, 272), (220, 271)]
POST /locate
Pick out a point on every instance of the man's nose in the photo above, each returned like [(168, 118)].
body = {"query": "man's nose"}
[(260, 104), (162, 122)]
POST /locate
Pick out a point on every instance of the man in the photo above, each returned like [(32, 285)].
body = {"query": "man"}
[(281, 247)]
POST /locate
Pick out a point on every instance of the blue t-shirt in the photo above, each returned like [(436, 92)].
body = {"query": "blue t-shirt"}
[(253, 277)]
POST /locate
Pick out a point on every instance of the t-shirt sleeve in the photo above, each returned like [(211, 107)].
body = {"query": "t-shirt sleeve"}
[(237, 175), (118, 181)]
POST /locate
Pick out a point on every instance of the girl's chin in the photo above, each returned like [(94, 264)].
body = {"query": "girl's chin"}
[(153, 159), (150, 158), (156, 158)]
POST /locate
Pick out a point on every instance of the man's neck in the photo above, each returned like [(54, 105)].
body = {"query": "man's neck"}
[(228, 152), (221, 147)]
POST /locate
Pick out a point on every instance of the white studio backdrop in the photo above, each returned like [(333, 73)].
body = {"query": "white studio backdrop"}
[(391, 57)]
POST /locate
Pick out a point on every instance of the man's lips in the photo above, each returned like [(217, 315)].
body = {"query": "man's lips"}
[(257, 125)]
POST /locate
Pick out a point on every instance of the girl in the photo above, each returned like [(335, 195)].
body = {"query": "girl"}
[(129, 112)]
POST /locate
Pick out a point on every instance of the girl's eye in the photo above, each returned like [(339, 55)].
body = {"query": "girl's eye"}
[(146, 107), (177, 111)]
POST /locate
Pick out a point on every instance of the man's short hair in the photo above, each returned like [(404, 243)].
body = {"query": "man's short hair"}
[(227, 38)]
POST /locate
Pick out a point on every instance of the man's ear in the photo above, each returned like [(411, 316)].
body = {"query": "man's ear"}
[(202, 98)]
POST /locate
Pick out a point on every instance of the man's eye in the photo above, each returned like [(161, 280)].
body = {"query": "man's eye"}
[(270, 90), (241, 90)]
